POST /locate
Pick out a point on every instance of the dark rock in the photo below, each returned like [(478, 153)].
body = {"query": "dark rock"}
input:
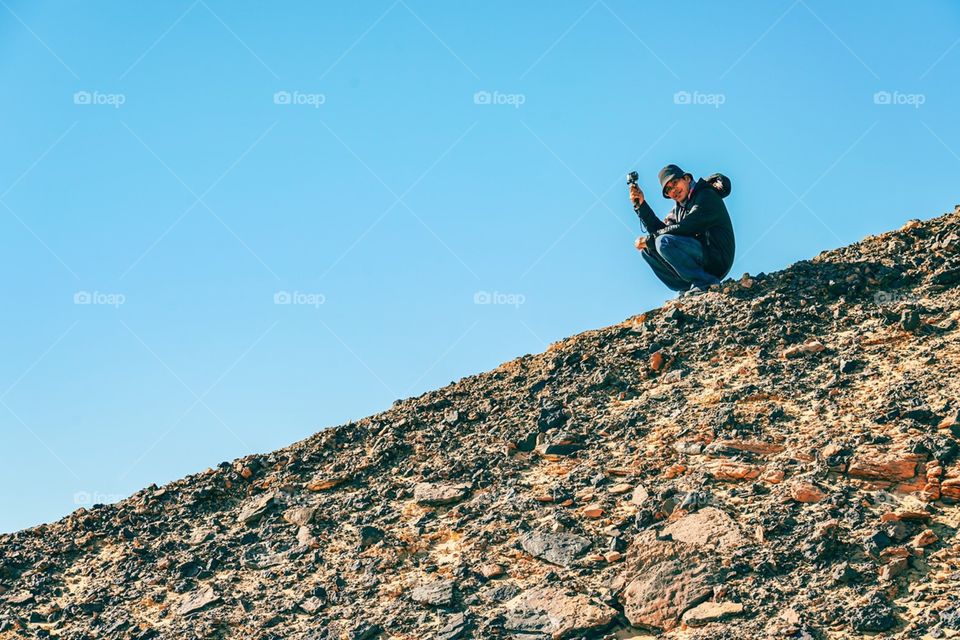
[(556, 548)]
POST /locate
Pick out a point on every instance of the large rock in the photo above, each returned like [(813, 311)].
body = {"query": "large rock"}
[(673, 571), (871, 463), (707, 612), (197, 600), (255, 508), (434, 495), (708, 528), (556, 612), (434, 594), (556, 548)]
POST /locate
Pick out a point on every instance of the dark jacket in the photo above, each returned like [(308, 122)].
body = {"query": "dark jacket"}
[(703, 216)]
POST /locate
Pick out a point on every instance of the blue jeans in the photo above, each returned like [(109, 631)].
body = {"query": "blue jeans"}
[(678, 262)]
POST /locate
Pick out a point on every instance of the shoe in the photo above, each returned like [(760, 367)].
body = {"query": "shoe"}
[(694, 290)]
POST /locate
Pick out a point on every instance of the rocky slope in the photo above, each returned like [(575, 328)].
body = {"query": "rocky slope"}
[(773, 459)]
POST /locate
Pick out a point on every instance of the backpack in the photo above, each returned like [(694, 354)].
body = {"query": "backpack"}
[(721, 183)]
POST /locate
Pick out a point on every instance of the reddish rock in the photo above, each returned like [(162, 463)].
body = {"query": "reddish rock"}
[(871, 463), (672, 571), (925, 538), (657, 360), (731, 471), (772, 476), (324, 482), (893, 568), (806, 492), (592, 511), (752, 446)]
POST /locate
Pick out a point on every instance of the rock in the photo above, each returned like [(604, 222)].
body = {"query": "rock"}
[(370, 536), (806, 492), (731, 471), (557, 613), (592, 511), (809, 347), (874, 614), (455, 628), (873, 463), (561, 549), (255, 508), (772, 476), (199, 536), (639, 495), (305, 538), (909, 320), (708, 528), (893, 568), (925, 538), (299, 516), (435, 594), (556, 445), (674, 570), (664, 590), (619, 488), (323, 482), (435, 495), (364, 631), (707, 612), (197, 600), (657, 360)]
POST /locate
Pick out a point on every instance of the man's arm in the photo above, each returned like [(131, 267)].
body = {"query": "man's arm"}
[(703, 215), (649, 219)]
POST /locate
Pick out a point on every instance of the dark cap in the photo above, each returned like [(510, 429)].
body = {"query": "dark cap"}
[(667, 174)]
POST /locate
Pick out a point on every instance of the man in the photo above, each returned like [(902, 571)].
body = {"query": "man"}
[(693, 247)]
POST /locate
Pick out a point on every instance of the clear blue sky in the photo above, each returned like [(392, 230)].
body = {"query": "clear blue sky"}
[(179, 165)]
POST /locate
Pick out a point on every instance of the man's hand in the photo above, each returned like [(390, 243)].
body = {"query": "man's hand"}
[(636, 195), (641, 243)]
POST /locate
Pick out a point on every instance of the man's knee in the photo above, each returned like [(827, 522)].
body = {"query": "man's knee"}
[(665, 243)]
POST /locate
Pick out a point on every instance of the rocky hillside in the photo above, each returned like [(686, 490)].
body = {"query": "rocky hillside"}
[(776, 458)]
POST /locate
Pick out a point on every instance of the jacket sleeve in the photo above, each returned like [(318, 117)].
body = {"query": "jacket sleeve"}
[(649, 219), (704, 214)]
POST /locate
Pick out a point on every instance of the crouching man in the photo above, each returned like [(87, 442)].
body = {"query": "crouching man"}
[(693, 247)]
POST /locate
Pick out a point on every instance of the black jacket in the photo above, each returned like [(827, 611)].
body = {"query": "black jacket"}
[(703, 216)]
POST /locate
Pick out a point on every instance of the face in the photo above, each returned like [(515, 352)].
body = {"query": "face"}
[(678, 189)]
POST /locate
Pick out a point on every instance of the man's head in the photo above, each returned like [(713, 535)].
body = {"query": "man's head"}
[(675, 183)]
